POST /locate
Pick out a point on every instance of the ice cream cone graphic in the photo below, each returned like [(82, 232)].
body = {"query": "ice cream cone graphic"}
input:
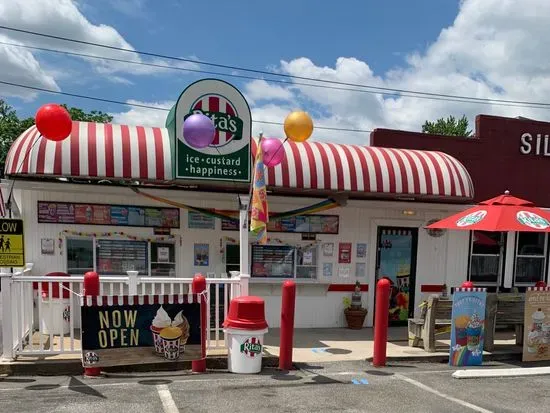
[(161, 321)]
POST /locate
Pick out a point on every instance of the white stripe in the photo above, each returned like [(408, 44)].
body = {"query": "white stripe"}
[(109, 300), (346, 170), (408, 171), (167, 152), (454, 174), (433, 174), (333, 173), (21, 161), (66, 156), (170, 299), (291, 166), (358, 168), (442, 395), (33, 155), (152, 298), (100, 149), (318, 160), (367, 155), (117, 150), (306, 171), (446, 172), (131, 300), (464, 177), (88, 301), (397, 171), (100, 300), (383, 168), (83, 159), (151, 153), (134, 151), (141, 299), (190, 298), (168, 403), (180, 298), (420, 170)]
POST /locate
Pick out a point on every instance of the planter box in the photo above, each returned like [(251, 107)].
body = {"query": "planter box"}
[(355, 317)]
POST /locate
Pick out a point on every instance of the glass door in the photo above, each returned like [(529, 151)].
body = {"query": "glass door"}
[(396, 261)]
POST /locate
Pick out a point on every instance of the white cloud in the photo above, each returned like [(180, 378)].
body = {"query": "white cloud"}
[(144, 116), (493, 49)]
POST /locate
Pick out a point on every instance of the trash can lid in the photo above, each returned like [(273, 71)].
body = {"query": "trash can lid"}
[(246, 313)]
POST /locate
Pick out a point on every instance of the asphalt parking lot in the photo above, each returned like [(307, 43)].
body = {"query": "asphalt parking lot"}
[(343, 387)]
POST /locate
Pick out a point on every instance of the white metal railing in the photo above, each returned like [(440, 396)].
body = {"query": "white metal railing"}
[(41, 314)]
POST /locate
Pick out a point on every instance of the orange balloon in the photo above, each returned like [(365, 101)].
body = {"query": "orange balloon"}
[(298, 126)]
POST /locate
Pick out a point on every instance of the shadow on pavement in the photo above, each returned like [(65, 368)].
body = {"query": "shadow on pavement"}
[(82, 388), (154, 382)]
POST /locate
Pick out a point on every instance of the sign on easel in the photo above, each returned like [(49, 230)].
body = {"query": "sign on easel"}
[(467, 326), (140, 329), (12, 245), (536, 335)]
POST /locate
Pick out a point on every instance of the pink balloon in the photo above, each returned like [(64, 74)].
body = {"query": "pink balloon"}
[(273, 151)]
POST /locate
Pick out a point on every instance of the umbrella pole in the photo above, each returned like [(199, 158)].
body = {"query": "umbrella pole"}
[(501, 263)]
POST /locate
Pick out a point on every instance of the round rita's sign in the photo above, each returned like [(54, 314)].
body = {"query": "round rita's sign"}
[(472, 218), (251, 347), (532, 220)]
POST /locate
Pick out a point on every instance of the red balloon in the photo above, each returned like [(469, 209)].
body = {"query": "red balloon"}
[(53, 122), (467, 284)]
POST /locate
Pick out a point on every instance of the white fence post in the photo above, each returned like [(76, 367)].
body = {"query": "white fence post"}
[(7, 315), (132, 282), (245, 278)]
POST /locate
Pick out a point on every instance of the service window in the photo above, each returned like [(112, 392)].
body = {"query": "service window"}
[(115, 257), (530, 265), (80, 255), (486, 257)]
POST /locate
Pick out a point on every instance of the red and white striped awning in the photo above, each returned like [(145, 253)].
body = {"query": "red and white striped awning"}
[(320, 166), (94, 150)]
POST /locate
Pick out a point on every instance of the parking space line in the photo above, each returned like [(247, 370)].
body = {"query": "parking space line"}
[(168, 403), (445, 396)]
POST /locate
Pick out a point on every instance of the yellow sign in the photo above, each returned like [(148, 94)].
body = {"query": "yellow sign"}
[(12, 246)]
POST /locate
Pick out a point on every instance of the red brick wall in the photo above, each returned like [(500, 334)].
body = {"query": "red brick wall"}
[(493, 157)]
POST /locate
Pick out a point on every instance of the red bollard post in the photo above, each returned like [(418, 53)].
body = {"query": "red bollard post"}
[(381, 317), (198, 287), (91, 288), (287, 325)]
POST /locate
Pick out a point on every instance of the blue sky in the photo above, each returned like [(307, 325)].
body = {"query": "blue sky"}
[(428, 45)]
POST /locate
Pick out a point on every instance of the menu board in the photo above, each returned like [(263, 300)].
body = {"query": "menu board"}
[(312, 224), (118, 256), (273, 261), (98, 214), (196, 220), (228, 225)]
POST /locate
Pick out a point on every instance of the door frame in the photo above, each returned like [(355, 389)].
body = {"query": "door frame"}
[(414, 256)]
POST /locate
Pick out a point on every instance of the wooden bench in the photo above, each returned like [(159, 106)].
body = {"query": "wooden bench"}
[(435, 318), (503, 310)]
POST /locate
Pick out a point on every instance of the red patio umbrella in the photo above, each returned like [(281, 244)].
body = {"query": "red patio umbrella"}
[(502, 213)]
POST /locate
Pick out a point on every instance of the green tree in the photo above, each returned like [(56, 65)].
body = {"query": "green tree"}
[(450, 127), (11, 126)]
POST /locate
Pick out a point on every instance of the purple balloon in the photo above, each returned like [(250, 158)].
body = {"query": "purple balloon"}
[(199, 131), (273, 151)]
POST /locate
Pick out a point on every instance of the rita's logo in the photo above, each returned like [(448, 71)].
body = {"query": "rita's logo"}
[(229, 126), (471, 219), (251, 347), (91, 358), (532, 220)]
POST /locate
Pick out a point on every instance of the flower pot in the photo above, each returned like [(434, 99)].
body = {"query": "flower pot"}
[(355, 317)]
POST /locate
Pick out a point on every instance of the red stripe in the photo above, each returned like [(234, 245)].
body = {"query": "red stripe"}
[(285, 171), (391, 171), (427, 174), (312, 167), (92, 149), (339, 171), (126, 155), (414, 171), (109, 151), (18, 156), (450, 172), (142, 147), (438, 172), (41, 161), (402, 169), (345, 288), (377, 170), (115, 299), (352, 170), (297, 164), (27, 163), (460, 181), (159, 154), (326, 167), (75, 149), (214, 106), (364, 168), (431, 288), (58, 159)]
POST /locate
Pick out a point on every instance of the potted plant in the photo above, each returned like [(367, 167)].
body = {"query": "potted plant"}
[(353, 309)]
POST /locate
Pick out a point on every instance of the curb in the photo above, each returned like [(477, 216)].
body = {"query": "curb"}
[(74, 367), (440, 358)]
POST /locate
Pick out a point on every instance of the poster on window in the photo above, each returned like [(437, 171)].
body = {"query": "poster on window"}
[(536, 340), (344, 272), (327, 269), (361, 250), (196, 220), (467, 327), (328, 249), (202, 255), (360, 269), (344, 253), (163, 254), (140, 329)]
